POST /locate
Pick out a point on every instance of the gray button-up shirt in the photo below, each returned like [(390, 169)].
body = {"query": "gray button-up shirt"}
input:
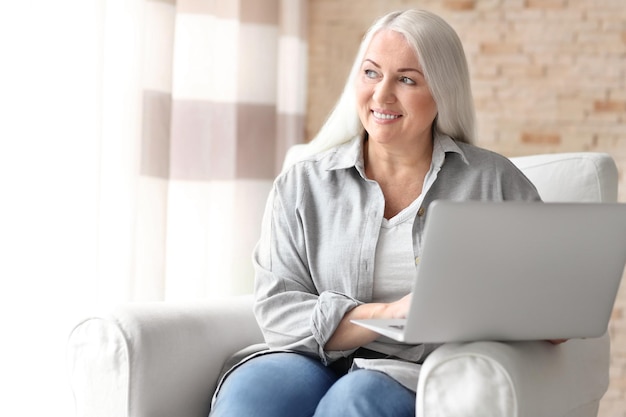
[(315, 259)]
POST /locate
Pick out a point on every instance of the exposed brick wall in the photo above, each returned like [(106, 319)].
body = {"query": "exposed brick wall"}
[(547, 76)]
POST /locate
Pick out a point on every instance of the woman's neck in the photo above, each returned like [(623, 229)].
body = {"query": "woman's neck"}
[(386, 162)]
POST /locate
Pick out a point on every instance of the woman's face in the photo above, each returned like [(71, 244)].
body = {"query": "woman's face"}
[(394, 102)]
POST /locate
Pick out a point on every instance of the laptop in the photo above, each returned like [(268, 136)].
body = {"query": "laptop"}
[(513, 271)]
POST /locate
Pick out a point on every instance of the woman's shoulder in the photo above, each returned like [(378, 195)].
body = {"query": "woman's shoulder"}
[(302, 166), (479, 158), (496, 168), (301, 162)]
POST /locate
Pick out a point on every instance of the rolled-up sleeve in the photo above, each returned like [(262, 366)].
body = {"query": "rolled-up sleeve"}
[(330, 309)]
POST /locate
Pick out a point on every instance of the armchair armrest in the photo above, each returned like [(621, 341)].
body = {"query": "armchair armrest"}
[(163, 359), (529, 379), (156, 359)]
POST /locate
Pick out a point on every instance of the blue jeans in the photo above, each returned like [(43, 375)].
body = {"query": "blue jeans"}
[(294, 385)]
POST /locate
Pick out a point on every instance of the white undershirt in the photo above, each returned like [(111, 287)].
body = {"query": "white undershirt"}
[(394, 269)]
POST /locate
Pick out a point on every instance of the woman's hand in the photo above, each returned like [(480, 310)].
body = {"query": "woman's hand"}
[(351, 336), (398, 309)]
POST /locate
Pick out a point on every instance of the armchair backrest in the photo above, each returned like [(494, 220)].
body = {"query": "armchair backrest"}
[(571, 177)]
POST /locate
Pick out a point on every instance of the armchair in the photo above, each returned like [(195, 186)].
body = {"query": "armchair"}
[(163, 359)]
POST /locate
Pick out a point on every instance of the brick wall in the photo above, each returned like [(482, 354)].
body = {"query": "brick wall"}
[(547, 76)]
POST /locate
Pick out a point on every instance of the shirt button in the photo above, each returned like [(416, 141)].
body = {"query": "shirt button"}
[(421, 211), (417, 260)]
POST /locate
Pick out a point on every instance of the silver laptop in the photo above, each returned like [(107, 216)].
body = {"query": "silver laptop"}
[(514, 271)]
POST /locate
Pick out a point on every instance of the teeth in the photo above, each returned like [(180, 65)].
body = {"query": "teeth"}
[(384, 116)]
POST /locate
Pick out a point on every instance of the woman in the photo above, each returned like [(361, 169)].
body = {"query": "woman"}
[(342, 229)]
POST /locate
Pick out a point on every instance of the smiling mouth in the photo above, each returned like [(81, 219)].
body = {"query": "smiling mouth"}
[(384, 116)]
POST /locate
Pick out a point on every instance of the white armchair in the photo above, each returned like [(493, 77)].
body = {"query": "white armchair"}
[(163, 359)]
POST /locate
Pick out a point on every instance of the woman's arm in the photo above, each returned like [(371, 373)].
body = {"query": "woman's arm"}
[(292, 310), (349, 336)]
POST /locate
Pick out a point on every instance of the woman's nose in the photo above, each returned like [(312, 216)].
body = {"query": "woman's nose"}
[(384, 92)]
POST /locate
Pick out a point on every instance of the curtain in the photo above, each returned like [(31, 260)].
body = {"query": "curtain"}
[(215, 96), (138, 142)]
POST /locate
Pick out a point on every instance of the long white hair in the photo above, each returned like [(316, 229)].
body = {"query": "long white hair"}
[(440, 53)]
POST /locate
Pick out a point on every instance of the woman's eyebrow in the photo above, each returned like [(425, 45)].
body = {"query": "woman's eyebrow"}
[(410, 70), (374, 63), (371, 62)]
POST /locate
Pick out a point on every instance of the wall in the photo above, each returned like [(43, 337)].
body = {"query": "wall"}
[(547, 76)]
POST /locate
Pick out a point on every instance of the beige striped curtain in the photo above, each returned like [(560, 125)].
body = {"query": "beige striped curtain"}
[(201, 99), (138, 142)]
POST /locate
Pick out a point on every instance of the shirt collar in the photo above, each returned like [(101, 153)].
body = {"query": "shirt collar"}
[(444, 144), (350, 154)]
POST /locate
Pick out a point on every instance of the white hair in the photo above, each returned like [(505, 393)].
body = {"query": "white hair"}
[(440, 53)]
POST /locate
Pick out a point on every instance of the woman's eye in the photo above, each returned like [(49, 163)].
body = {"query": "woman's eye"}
[(407, 80), (370, 73)]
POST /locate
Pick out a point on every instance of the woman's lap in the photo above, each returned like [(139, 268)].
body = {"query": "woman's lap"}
[(277, 384), (367, 393), (294, 385)]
